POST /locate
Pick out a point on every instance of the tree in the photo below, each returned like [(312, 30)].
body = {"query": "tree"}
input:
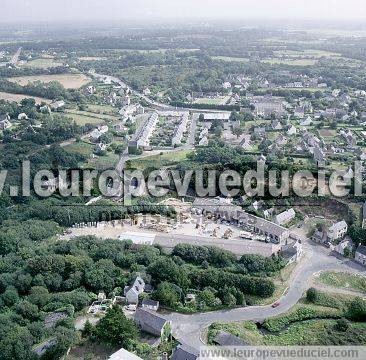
[(357, 310), (342, 325), (312, 295), (115, 329), (207, 298), (167, 294)]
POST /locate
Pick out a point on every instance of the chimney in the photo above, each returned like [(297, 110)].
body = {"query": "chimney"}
[(164, 356)]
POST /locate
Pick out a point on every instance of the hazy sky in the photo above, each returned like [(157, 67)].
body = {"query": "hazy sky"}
[(50, 10)]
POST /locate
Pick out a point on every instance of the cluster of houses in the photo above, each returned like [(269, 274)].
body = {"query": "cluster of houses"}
[(180, 129)]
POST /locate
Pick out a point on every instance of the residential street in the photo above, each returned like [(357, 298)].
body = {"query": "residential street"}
[(187, 328)]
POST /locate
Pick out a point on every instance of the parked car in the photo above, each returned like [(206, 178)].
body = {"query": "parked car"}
[(276, 304)]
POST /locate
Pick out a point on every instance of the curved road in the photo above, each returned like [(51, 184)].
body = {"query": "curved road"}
[(188, 328)]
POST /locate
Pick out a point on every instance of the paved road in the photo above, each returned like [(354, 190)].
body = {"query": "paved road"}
[(187, 328)]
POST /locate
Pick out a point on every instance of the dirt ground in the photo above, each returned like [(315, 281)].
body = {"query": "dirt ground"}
[(69, 81)]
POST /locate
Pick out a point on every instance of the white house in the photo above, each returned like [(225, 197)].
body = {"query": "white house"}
[(23, 116), (285, 217), (4, 121), (123, 354), (337, 231), (132, 292)]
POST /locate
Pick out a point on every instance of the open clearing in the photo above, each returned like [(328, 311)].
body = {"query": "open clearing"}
[(43, 63), (69, 81), (20, 97), (230, 59), (221, 100), (342, 280), (309, 54), (85, 117), (292, 62)]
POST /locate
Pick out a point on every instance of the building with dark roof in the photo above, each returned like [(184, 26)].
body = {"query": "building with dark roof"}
[(150, 304), (360, 255), (184, 352), (224, 338), (152, 323)]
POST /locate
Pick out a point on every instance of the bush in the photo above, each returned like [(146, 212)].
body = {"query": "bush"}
[(303, 313), (312, 295), (357, 310)]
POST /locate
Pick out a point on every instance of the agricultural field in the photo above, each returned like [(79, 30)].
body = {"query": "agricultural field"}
[(69, 81), (291, 62), (81, 148), (230, 59), (220, 100), (19, 97), (342, 281), (85, 117), (43, 63), (162, 159), (308, 53)]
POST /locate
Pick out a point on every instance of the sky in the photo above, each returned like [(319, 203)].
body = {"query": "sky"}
[(144, 10)]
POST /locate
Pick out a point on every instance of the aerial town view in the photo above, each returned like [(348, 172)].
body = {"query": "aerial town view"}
[(182, 180)]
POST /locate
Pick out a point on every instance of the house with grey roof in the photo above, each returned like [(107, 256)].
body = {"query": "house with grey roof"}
[(150, 304), (152, 323), (185, 352), (360, 255), (133, 291), (224, 338)]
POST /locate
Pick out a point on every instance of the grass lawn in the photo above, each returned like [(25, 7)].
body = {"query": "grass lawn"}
[(221, 100), (102, 109), (303, 325), (230, 59), (81, 148), (109, 161), (166, 159), (293, 62), (342, 280), (82, 119), (86, 117)]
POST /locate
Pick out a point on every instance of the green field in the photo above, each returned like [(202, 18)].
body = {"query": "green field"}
[(343, 280), (43, 63), (220, 100), (230, 59), (86, 117), (81, 148), (166, 159), (305, 324), (292, 62)]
